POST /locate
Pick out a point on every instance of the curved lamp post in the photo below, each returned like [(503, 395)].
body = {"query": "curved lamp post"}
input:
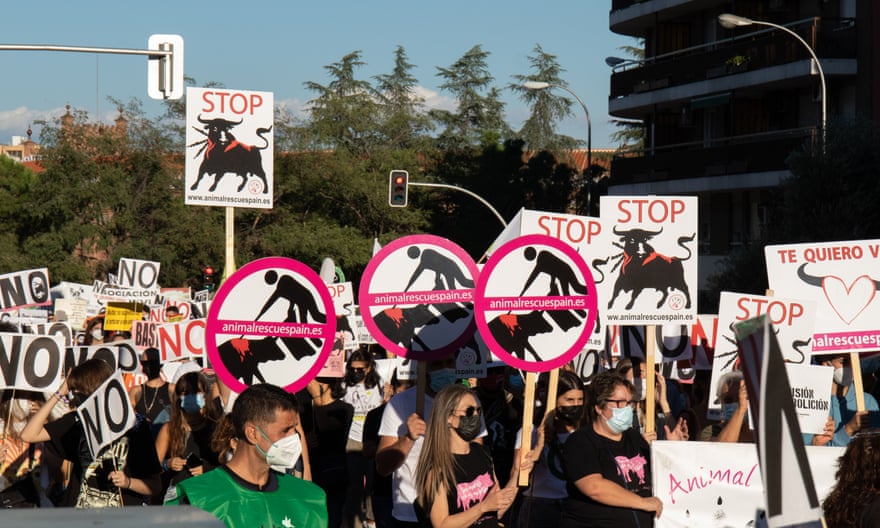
[(731, 21), (539, 85)]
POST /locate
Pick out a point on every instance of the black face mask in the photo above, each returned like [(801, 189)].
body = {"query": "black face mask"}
[(357, 376), (468, 427), (570, 413), (151, 368)]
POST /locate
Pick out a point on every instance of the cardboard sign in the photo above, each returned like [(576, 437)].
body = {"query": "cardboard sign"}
[(30, 362), (272, 321), (106, 414), (119, 316), (145, 334), (121, 355), (416, 297), (647, 265), (719, 484), (535, 303), (183, 340), (105, 291), (76, 309), (793, 320), (472, 360), (361, 331), (159, 312), (842, 278), (230, 150), (61, 329), (583, 233), (25, 288), (138, 274), (811, 394)]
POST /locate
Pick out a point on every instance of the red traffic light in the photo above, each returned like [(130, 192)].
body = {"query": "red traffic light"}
[(397, 188)]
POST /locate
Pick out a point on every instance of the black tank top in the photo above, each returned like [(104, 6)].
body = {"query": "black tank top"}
[(152, 401)]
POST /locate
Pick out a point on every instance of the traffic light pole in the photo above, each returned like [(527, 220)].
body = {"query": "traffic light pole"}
[(462, 189)]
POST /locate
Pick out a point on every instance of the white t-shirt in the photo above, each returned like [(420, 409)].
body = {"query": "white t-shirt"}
[(546, 484), (363, 400), (403, 480)]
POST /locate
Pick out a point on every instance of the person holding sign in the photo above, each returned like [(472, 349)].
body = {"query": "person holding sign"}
[(845, 419), (607, 463), (541, 506), (455, 479), (128, 467), (248, 490)]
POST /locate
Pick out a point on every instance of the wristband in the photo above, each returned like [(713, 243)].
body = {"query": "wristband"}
[(165, 464)]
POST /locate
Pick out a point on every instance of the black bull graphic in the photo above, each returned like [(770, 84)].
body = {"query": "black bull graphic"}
[(242, 357), (225, 154), (512, 332), (642, 268)]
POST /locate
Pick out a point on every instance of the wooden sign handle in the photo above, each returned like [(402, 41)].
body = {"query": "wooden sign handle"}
[(528, 416), (650, 347)]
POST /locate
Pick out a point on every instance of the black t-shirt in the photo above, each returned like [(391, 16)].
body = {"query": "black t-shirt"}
[(626, 462), (198, 443), (327, 456), (474, 479), (89, 487), (152, 401)]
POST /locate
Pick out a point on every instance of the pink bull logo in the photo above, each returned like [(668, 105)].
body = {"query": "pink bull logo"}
[(470, 493), (628, 466)]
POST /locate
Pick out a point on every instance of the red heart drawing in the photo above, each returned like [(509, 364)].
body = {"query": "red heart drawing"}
[(849, 301)]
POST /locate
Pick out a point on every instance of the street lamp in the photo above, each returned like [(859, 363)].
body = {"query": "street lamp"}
[(731, 21), (540, 85)]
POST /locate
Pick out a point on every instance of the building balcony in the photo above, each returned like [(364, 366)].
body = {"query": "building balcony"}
[(740, 162), (632, 17), (764, 58)]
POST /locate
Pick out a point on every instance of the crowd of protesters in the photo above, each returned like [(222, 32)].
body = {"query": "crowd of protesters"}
[(357, 452)]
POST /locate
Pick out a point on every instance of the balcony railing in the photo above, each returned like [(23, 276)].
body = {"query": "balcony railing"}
[(761, 152), (830, 38)]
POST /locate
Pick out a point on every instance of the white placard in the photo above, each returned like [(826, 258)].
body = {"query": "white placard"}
[(30, 362), (134, 273), (106, 414)]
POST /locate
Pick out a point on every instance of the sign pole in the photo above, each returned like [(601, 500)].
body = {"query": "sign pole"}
[(229, 268), (552, 387), (528, 415), (650, 346)]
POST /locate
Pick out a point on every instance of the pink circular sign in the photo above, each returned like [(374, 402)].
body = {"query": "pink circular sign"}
[(416, 297), (535, 303), (272, 321)]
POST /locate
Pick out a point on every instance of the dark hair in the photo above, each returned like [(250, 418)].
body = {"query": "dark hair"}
[(371, 379), (258, 404), (93, 322), (858, 480), (601, 388), (86, 377), (189, 383)]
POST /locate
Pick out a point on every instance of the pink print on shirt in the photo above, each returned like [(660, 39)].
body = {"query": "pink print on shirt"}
[(628, 466), (470, 493)]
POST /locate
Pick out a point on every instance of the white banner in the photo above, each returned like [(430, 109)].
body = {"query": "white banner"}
[(719, 484), (30, 362)]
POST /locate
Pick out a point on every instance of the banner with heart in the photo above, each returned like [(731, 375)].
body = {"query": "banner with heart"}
[(843, 279)]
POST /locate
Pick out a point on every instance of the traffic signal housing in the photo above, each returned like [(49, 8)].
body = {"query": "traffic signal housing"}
[(208, 278), (397, 188)]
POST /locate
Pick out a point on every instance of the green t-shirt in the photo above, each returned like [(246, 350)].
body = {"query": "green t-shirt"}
[(294, 503)]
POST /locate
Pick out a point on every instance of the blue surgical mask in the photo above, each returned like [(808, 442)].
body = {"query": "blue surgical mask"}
[(441, 378), (192, 403), (621, 419)]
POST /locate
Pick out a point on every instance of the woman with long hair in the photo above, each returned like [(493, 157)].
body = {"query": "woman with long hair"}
[(541, 504), (123, 472), (363, 391), (184, 442), (455, 479), (855, 499)]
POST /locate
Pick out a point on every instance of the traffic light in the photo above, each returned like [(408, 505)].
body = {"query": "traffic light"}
[(208, 278), (397, 188)]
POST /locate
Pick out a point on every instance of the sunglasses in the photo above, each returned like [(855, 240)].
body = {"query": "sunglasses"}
[(470, 411)]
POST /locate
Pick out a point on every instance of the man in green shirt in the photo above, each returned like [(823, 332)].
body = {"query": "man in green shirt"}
[(248, 491)]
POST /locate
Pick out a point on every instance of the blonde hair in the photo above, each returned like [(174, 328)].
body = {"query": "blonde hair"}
[(436, 464)]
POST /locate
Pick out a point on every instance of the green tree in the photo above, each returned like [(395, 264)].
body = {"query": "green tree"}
[(345, 114), (404, 121), (547, 106), (479, 117)]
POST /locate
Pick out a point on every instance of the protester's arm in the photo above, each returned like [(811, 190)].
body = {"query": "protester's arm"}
[(135, 393), (393, 451), (123, 481), (497, 500), (607, 492), (307, 466), (731, 431), (35, 430), (163, 442)]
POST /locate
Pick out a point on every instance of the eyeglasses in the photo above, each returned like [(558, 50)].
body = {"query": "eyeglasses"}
[(621, 403), (470, 411)]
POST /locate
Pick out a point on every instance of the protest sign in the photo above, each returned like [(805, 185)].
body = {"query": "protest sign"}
[(106, 414), (25, 288), (119, 316), (134, 273), (30, 362), (183, 340), (121, 355)]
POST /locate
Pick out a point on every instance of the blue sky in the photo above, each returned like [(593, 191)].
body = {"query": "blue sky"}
[(277, 46)]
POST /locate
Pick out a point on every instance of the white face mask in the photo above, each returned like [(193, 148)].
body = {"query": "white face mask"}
[(283, 454), (843, 376), (97, 334)]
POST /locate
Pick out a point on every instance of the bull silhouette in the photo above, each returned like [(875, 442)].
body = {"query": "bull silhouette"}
[(225, 154), (242, 357), (513, 331), (641, 267), (400, 325)]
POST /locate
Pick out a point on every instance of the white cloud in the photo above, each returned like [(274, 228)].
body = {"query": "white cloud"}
[(15, 122), (435, 101)]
